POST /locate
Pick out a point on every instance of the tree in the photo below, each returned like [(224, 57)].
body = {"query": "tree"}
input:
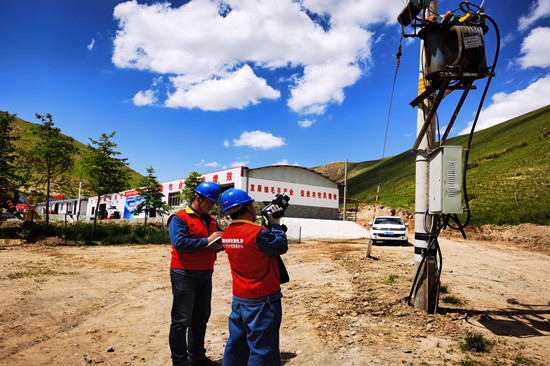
[(106, 172), (51, 157), (187, 194), (152, 199), (8, 154)]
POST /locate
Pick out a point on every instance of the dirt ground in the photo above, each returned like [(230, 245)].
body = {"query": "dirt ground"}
[(110, 305)]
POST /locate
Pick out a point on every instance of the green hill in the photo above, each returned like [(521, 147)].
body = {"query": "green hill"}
[(509, 159), (27, 138)]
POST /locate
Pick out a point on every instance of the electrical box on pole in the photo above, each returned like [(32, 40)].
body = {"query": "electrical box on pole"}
[(445, 181)]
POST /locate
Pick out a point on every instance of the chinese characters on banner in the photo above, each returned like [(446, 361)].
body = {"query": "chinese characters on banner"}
[(222, 177), (300, 194), (59, 197), (290, 192)]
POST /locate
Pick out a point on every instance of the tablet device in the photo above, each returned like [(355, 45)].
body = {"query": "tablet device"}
[(218, 240)]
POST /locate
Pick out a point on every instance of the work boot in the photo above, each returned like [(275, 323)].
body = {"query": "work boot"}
[(203, 361)]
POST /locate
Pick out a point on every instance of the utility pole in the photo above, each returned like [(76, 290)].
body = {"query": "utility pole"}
[(345, 188), (78, 202), (424, 292)]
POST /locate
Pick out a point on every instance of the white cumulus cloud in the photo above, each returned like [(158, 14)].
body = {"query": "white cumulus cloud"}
[(538, 9), (145, 98), (214, 50), (536, 48), (285, 162), (204, 163), (237, 90), (238, 163), (508, 106), (259, 139), (90, 46), (306, 123)]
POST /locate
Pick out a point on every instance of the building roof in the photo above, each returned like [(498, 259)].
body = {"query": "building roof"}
[(297, 167)]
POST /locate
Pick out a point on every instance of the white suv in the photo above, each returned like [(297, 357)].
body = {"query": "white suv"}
[(388, 228)]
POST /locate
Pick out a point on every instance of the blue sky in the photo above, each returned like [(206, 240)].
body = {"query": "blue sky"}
[(206, 85)]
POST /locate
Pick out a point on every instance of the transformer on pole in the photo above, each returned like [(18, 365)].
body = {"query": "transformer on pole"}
[(452, 57)]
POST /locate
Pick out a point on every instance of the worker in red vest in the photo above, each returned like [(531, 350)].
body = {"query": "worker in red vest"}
[(256, 311), (191, 231)]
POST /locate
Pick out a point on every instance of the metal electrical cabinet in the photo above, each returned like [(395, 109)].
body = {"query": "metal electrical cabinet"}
[(445, 191)]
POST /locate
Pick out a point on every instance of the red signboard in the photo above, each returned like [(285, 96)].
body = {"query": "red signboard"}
[(131, 193), (58, 197)]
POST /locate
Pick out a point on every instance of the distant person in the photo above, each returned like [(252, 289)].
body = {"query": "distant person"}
[(191, 271), (256, 311)]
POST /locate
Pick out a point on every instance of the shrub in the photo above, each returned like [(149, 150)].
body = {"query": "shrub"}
[(475, 342), (453, 300), (391, 279)]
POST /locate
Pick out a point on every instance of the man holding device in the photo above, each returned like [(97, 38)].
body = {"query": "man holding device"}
[(193, 233), (253, 253)]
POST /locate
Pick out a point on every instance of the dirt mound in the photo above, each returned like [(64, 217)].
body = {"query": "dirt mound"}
[(534, 238), (366, 214), (334, 170)]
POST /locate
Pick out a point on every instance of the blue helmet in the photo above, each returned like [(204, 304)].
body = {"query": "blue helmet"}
[(209, 190), (233, 198)]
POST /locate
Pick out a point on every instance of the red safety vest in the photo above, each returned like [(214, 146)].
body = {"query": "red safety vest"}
[(203, 259), (254, 273)]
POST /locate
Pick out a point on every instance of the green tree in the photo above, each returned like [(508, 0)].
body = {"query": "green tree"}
[(8, 152), (50, 158), (8, 156), (106, 172), (187, 194), (152, 199)]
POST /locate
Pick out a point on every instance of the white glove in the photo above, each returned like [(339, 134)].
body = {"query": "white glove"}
[(275, 220)]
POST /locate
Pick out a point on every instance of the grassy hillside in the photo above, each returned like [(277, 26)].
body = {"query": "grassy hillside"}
[(23, 129), (512, 158)]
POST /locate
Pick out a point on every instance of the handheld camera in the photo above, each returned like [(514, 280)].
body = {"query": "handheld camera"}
[(279, 202), (277, 207)]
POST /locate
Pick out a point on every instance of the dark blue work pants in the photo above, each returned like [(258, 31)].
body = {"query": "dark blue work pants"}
[(254, 333), (192, 293)]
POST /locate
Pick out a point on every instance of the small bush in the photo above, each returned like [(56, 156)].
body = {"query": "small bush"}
[(443, 289), (475, 342), (391, 279), (31, 229), (453, 300)]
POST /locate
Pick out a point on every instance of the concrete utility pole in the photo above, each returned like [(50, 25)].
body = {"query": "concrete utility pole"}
[(424, 292), (345, 188)]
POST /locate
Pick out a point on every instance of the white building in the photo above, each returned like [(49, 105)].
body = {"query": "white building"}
[(312, 195), (61, 205)]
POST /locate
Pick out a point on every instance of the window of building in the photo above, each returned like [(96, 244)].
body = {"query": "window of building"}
[(173, 199)]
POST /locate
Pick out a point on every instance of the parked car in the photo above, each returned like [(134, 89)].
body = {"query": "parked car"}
[(388, 228)]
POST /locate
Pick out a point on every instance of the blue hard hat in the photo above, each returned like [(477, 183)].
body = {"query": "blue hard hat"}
[(209, 190), (234, 197)]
